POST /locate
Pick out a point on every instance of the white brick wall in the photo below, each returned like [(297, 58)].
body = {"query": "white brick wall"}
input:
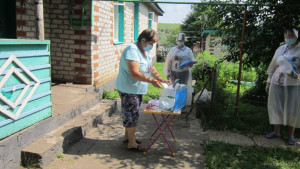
[(214, 48), (106, 65), (87, 55), (26, 20)]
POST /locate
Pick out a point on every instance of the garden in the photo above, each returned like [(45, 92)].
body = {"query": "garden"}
[(252, 118), (262, 36)]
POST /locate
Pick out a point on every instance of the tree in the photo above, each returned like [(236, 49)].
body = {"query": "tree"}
[(264, 29), (168, 33)]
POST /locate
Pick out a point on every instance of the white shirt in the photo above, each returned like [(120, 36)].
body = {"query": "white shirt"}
[(279, 68), (175, 57)]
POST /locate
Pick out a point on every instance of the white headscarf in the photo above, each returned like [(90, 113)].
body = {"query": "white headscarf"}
[(296, 32)]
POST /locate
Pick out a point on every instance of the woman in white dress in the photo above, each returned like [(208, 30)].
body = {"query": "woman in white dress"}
[(283, 86), (175, 57)]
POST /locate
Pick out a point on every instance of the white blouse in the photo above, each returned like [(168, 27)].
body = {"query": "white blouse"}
[(280, 68)]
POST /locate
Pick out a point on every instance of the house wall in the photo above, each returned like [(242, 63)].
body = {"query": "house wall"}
[(70, 46), (214, 47), (87, 55), (26, 19), (105, 54)]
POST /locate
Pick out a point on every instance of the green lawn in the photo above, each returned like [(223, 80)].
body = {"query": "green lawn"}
[(153, 92), (252, 120), (222, 155)]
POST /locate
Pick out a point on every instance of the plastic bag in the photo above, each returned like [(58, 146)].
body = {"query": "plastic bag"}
[(204, 98)]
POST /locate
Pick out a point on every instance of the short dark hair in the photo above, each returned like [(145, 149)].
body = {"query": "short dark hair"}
[(149, 35)]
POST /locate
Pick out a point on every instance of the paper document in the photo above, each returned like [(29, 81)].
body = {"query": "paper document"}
[(165, 85)]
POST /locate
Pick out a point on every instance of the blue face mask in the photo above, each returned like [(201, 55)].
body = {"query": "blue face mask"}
[(290, 41), (148, 47)]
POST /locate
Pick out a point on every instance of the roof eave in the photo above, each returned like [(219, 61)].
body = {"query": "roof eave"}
[(156, 8)]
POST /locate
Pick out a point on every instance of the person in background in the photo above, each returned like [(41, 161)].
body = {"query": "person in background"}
[(283, 87), (175, 57), (134, 76)]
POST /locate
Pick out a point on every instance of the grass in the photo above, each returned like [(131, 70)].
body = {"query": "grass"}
[(251, 120), (153, 92), (222, 155), (168, 26), (30, 160), (61, 155), (110, 95)]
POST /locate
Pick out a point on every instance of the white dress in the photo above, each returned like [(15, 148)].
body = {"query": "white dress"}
[(174, 58), (284, 92)]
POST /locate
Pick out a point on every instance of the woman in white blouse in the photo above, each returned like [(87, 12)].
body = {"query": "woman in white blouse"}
[(283, 86)]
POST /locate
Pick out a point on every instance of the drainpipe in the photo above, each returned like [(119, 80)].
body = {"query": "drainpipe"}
[(40, 19)]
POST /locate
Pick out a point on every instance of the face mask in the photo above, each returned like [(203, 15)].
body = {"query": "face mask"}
[(148, 47), (290, 41), (180, 43)]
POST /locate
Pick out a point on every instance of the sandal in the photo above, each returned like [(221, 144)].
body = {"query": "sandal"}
[(137, 141), (138, 148), (272, 135), (291, 141)]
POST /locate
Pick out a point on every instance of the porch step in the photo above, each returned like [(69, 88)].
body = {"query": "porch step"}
[(44, 150)]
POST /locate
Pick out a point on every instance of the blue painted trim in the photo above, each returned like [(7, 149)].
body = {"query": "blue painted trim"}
[(34, 97), (121, 23), (209, 31), (149, 24), (22, 41), (136, 21), (92, 14), (118, 43), (149, 21), (21, 86), (23, 54), (31, 68), (5, 122)]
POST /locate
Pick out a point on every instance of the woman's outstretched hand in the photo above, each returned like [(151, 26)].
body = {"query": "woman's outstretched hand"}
[(156, 83), (168, 82)]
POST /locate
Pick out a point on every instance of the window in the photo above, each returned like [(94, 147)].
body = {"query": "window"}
[(8, 27), (118, 22), (151, 18), (136, 21)]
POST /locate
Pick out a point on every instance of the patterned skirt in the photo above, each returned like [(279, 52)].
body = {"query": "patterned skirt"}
[(130, 104)]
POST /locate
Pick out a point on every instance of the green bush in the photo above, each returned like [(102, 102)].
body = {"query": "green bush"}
[(110, 95), (226, 72)]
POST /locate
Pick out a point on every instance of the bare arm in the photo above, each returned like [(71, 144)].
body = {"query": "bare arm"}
[(134, 70), (157, 76)]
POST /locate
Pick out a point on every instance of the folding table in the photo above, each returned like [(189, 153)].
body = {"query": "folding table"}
[(153, 108)]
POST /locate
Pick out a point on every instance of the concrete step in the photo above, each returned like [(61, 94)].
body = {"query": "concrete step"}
[(44, 150)]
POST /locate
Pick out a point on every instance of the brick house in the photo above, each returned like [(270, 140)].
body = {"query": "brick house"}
[(82, 43), (87, 36), (213, 44)]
